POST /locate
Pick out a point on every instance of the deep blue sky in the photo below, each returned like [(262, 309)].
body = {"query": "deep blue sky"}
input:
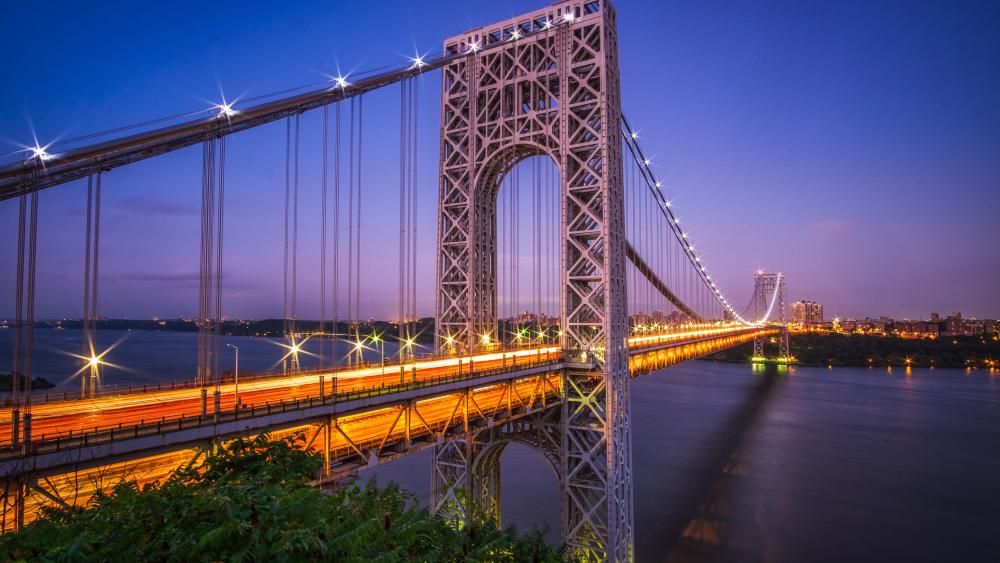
[(854, 145)]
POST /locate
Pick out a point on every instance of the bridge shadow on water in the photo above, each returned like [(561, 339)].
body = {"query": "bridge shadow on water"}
[(699, 526)]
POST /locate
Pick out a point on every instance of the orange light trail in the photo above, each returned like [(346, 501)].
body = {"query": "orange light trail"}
[(356, 435)]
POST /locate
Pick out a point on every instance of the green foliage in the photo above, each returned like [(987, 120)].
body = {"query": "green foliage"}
[(7, 382), (251, 501)]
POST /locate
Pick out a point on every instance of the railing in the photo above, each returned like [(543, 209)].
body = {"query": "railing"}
[(110, 434), (116, 391)]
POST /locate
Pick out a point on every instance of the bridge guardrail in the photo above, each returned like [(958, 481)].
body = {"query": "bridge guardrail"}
[(249, 378), (101, 435), (253, 378), (110, 434)]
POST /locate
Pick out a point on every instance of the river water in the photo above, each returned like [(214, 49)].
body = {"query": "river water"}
[(811, 465)]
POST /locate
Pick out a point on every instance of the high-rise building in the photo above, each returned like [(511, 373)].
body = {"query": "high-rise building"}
[(954, 325), (807, 312)]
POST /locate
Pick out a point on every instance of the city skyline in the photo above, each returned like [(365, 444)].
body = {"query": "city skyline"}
[(868, 141)]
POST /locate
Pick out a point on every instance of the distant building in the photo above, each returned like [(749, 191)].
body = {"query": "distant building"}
[(916, 329), (804, 312), (953, 325), (973, 327)]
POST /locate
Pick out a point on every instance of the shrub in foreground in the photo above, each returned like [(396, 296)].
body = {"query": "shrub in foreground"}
[(251, 501)]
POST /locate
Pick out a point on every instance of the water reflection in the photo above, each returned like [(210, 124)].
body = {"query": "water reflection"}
[(700, 529)]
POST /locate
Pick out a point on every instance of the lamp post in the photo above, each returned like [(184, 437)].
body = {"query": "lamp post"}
[(236, 390)]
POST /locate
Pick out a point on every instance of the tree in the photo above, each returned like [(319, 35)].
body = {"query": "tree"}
[(250, 500)]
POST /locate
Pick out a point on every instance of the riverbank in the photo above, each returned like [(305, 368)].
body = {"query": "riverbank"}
[(823, 349)]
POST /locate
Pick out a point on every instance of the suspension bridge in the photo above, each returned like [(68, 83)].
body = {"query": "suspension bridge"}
[(561, 273)]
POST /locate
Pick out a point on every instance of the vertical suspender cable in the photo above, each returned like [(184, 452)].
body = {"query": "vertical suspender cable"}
[(403, 246), (95, 272), (516, 233), (631, 224), (555, 238), (414, 192), (295, 236), (503, 258), (220, 216), (17, 371), (536, 251), (88, 344), (336, 231), (649, 250), (205, 279), (543, 280), (322, 242), (350, 220), (357, 240), (288, 194), (539, 218), (29, 341)]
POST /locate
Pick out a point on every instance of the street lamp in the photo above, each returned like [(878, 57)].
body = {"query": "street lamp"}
[(236, 390)]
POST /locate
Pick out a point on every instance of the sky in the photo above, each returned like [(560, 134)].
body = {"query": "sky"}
[(853, 145)]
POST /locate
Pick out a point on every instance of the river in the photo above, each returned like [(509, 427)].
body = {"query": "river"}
[(814, 464)]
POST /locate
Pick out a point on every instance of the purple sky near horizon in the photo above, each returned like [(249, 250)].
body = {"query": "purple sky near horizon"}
[(853, 145)]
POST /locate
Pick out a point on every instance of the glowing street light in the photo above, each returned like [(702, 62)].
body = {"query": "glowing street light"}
[(40, 153), (474, 46), (569, 16), (226, 109), (515, 35), (521, 334), (341, 82), (293, 349), (418, 61), (634, 135)]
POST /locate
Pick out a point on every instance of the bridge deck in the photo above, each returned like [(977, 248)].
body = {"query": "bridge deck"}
[(59, 424), (370, 416)]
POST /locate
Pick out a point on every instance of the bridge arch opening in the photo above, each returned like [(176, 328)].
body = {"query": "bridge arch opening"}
[(520, 191), (518, 484)]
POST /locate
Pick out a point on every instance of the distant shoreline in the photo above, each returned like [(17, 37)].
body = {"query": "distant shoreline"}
[(808, 348), (274, 328), (851, 350)]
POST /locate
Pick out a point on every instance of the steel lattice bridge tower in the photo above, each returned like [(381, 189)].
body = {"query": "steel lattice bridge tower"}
[(632, 296), (554, 94), (770, 301)]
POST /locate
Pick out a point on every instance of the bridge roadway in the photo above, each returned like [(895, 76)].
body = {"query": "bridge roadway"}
[(355, 417)]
